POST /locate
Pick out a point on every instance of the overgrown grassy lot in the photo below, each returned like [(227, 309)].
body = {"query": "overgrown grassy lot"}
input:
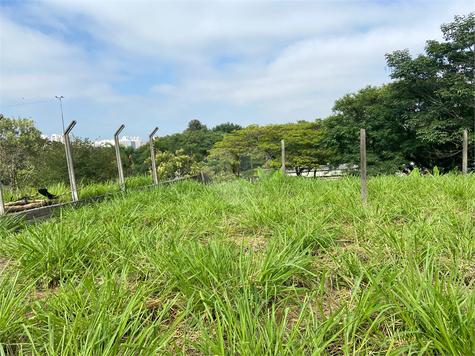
[(283, 267)]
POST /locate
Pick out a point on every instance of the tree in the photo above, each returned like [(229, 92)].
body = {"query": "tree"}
[(196, 125), (436, 89), (196, 140), (227, 128), (91, 164), (170, 166), (20, 143), (261, 146), (390, 142)]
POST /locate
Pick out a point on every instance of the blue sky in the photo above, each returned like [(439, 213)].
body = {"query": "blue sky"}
[(163, 63)]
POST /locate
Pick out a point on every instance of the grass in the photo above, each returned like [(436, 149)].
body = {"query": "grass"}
[(63, 191), (284, 267)]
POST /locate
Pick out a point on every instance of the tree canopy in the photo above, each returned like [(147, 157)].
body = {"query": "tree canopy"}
[(436, 90), (20, 144), (261, 146), (419, 116), (196, 140)]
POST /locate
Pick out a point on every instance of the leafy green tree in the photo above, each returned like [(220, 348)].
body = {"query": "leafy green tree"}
[(390, 142), (227, 128), (135, 160), (91, 164), (20, 144), (171, 166), (436, 90), (262, 145), (196, 125), (196, 140)]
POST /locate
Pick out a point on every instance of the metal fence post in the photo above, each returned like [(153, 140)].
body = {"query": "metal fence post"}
[(152, 154), (363, 164), (465, 153), (69, 160), (117, 154), (283, 158), (2, 203)]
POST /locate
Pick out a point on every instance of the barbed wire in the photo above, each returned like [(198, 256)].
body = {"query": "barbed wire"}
[(35, 102)]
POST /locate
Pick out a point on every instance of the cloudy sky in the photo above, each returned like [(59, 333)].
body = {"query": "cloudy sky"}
[(163, 63)]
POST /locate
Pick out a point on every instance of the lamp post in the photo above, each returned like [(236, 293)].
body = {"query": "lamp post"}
[(61, 106), (2, 203)]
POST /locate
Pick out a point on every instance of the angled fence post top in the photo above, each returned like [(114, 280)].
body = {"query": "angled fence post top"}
[(119, 159), (69, 161), (152, 156), (70, 127), (153, 133), (117, 133)]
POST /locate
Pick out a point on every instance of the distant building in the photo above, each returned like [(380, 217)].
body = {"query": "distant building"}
[(125, 141), (57, 138)]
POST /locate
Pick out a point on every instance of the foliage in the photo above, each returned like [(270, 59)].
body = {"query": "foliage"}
[(20, 143), (269, 174), (196, 140), (227, 128), (171, 166), (436, 90), (137, 161), (420, 116), (390, 143), (196, 125), (91, 164), (261, 146)]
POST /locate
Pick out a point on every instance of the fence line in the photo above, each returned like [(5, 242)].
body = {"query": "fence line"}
[(45, 212)]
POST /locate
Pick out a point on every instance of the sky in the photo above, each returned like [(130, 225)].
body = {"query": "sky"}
[(148, 64)]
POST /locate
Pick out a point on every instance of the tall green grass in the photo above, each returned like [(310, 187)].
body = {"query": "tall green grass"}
[(287, 266)]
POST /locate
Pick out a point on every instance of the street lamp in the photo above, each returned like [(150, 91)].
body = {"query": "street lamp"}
[(61, 106)]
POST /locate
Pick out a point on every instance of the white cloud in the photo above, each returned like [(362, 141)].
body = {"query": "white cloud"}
[(289, 59)]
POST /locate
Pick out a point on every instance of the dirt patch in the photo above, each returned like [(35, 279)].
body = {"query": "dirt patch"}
[(4, 265)]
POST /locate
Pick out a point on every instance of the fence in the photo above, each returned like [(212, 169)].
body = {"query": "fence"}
[(45, 212), (72, 179)]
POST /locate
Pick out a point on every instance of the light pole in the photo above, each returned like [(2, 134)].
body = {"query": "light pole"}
[(61, 106)]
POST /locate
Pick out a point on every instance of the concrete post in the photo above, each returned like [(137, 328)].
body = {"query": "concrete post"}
[(117, 154), (69, 160), (152, 154), (465, 153), (363, 164)]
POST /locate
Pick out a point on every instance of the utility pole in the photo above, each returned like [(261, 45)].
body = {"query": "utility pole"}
[(61, 106)]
